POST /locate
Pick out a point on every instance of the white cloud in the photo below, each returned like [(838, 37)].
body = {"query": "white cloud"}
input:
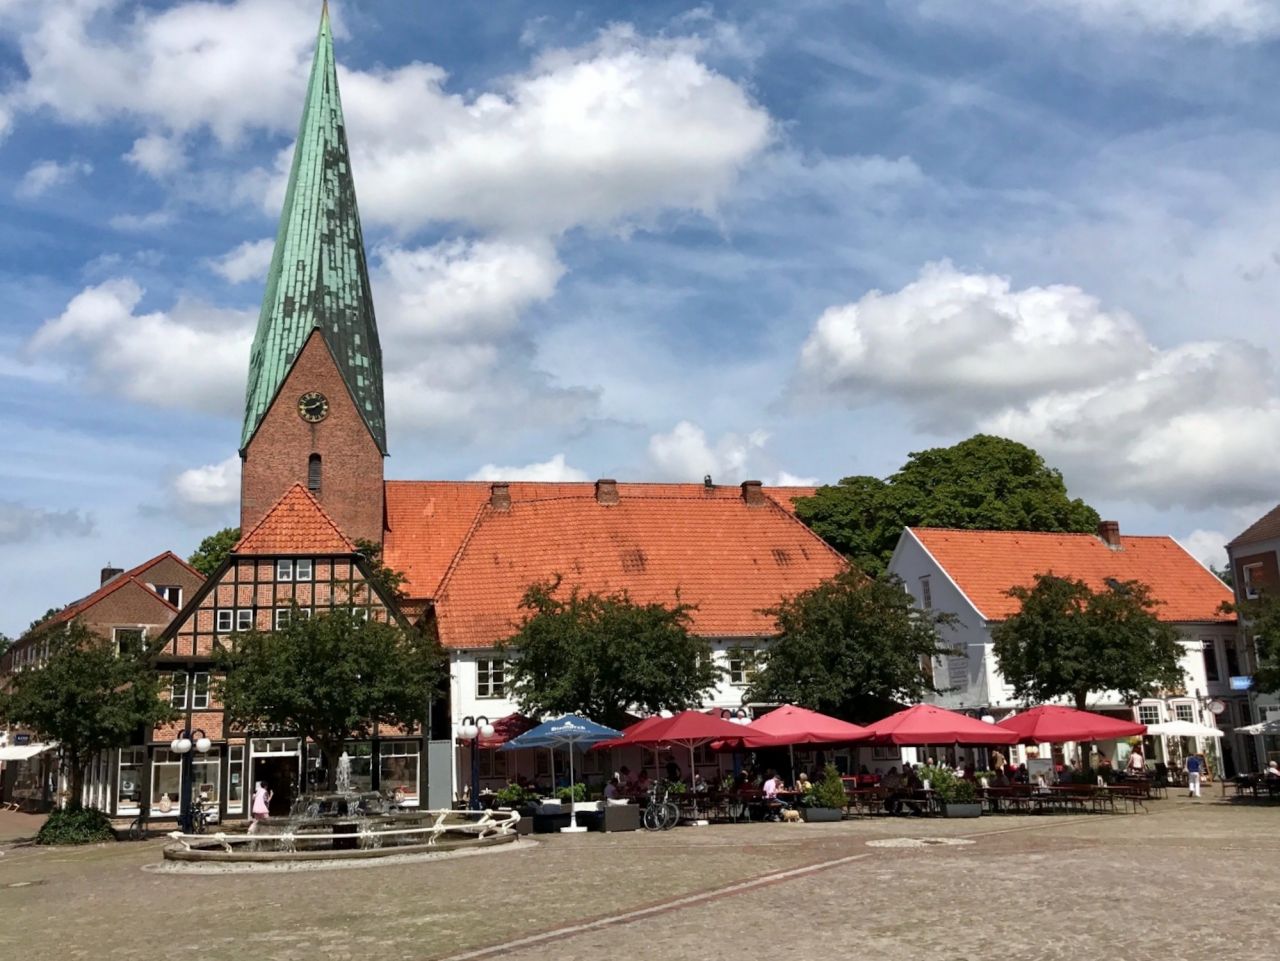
[(950, 334), (19, 523), (554, 469), (192, 356), (248, 261), (685, 453), (44, 175), (1208, 547), (1235, 19), (787, 479), (157, 154), (141, 223), (213, 485), (1196, 425)]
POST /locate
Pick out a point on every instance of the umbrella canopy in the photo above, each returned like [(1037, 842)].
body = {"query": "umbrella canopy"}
[(927, 724), (791, 725), (1051, 724), (628, 731), (1183, 729), (570, 729), (504, 729), (689, 728), (1262, 727)]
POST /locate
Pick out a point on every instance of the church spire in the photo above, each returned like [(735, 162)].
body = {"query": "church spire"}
[(318, 278)]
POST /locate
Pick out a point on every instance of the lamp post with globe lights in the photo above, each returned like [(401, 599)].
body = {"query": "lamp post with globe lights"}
[(736, 716), (182, 746), (472, 729)]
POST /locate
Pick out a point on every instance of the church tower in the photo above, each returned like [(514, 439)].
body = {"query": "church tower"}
[(314, 411)]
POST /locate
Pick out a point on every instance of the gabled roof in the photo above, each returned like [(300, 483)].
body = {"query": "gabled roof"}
[(730, 559), (985, 564), (427, 521), (134, 575), (318, 278), (297, 524), (1265, 528)]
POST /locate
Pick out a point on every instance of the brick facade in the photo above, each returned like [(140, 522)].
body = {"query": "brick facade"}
[(278, 455)]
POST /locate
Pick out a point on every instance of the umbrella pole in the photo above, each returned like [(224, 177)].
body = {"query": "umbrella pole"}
[(792, 749)]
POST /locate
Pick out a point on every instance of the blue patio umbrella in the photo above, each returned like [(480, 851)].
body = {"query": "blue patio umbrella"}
[(571, 731)]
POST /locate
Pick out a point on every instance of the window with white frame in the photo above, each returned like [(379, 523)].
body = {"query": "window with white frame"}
[(491, 677), (178, 690), (244, 619), (166, 782), (1148, 713), (128, 638), (742, 666), (284, 570), (1183, 711), (206, 775), (282, 616), (129, 780), (200, 690), (235, 779), (1252, 580), (398, 770), (302, 570), (926, 594), (171, 593), (224, 621)]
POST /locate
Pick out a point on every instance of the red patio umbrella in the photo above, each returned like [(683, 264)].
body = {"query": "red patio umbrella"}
[(791, 725), (927, 724), (688, 728), (1051, 724)]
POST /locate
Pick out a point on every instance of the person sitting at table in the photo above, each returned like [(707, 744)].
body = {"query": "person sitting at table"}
[(611, 789), (930, 762), (699, 783), (1273, 771), (623, 774), (1001, 779), (772, 803), (911, 784), (804, 784), (1136, 766), (892, 783), (1020, 776), (642, 781)]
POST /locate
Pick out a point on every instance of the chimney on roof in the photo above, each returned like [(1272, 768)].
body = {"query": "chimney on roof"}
[(607, 491), (110, 572), (500, 496), (1109, 532), (752, 493)]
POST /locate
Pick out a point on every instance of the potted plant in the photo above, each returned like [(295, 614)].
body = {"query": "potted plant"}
[(959, 797), (825, 800), (521, 799)]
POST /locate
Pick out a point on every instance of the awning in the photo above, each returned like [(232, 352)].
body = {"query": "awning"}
[(22, 752)]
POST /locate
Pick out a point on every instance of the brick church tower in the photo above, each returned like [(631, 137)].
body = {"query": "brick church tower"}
[(314, 411)]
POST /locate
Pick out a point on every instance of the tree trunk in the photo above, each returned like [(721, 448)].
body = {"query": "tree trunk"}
[(1081, 699), (75, 781)]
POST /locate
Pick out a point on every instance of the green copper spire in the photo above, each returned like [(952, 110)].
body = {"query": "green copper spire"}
[(318, 278)]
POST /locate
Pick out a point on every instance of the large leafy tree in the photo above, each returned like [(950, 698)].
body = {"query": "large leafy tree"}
[(1068, 640), (1261, 620), (849, 645), (329, 678), (86, 697), (604, 655), (985, 482), (213, 550)]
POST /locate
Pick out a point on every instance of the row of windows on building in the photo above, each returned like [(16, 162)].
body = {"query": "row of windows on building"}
[(491, 672), (227, 620)]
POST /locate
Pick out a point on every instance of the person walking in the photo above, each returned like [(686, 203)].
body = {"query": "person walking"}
[(1193, 768), (261, 808)]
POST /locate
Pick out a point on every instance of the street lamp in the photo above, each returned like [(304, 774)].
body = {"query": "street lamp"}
[(181, 746), (472, 729)]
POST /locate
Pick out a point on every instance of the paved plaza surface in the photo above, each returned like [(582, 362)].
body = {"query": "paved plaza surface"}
[(1189, 880)]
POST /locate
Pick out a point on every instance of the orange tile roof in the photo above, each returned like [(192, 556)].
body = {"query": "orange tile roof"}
[(985, 564), (297, 524), (730, 559), (427, 521), (133, 575)]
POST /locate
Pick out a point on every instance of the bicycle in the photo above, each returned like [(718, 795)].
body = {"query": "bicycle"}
[(661, 813)]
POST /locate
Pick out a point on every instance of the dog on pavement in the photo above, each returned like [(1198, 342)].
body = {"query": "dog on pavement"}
[(790, 817)]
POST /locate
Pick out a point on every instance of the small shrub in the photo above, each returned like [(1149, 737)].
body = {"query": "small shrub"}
[(577, 793), (76, 826), (677, 787), (962, 792), (828, 792), (514, 796)]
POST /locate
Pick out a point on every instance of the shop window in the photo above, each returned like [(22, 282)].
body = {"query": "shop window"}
[(166, 783), (206, 775), (235, 779), (398, 770), (129, 780)]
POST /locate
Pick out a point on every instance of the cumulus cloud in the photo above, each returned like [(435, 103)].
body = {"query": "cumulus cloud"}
[(213, 485), (1197, 424), (20, 524), (248, 261), (787, 479), (686, 453), (157, 154), (44, 175), (193, 356), (1208, 547), (554, 469)]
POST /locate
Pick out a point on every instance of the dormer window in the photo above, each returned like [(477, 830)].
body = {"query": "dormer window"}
[(171, 593)]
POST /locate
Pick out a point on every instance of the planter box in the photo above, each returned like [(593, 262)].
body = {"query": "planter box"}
[(525, 824), (620, 817), (962, 810), (822, 814)]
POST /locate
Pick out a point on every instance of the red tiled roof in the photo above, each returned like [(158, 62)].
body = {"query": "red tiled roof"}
[(730, 559), (133, 575), (427, 521), (985, 564), (1265, 528), (297, 524)]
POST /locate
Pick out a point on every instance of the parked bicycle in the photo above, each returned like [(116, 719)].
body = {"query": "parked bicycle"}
[(661, 813)]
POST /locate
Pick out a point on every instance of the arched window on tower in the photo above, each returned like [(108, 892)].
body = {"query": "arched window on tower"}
[(313, 473)]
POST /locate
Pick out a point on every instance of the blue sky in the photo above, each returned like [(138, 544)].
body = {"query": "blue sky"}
[(649, 241)]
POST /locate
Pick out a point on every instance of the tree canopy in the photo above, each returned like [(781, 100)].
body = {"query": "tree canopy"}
[(86, 697), (1261, 618), (330, 678), (604, 655), (849, 645), (213, 550), (388, 580), (985, 482), (1069, 641)]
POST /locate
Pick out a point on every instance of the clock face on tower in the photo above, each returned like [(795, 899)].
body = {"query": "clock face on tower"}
[(313, 407)]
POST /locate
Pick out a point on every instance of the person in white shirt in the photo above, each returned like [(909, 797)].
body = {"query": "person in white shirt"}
[(1137, 764), (611, 789)]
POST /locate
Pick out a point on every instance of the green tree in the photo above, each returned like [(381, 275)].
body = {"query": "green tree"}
[(6, 642), (1068, 640), (848, 644), (213, 550), (1261, 620), (86, 697), (47, 615), (983, 483), (329, 678), (390, 581), (604, 655)]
